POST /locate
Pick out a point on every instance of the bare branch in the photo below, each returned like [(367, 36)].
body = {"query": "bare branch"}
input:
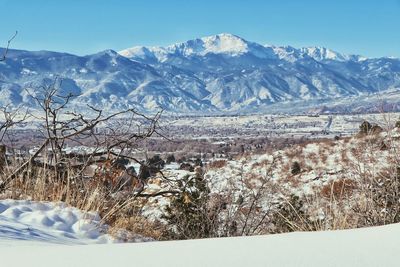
[(3, 57)]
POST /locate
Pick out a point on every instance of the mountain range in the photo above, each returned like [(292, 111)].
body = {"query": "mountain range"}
[(211, 75)]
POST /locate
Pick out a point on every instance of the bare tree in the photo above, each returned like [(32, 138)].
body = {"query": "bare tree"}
[(3, 57), (9, 117), (108, 136)]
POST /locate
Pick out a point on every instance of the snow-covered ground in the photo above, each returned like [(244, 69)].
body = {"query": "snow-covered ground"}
[(46, 222), (52, 234), (366, 247), (271, 126)]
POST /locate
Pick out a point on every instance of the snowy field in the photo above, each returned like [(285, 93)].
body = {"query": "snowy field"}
[(270, 125), (46, 223), (362, 247)]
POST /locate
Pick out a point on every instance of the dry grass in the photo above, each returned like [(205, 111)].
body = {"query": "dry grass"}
[(344, 158), (86, 194), (338, 189), (294, 152), (313, 158), (324, 153), (217, 164), (135, 226), (263, 163)]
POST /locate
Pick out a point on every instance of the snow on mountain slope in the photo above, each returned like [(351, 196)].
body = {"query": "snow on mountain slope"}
[(322, 53), (224, 43), (367, 247), (105, 79), (216, 74), (231, 45), (248, 76)]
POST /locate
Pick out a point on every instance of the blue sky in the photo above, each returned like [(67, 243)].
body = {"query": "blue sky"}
[(370, 28)]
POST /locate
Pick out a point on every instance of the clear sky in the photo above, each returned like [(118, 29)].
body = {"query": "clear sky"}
[(370, 27)]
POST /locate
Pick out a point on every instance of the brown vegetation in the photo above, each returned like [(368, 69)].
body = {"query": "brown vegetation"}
[(217, 164), (338, 189)]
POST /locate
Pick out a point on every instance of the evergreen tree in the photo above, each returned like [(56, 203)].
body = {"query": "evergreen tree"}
[(365, 127), (187, 213), (296, 168)]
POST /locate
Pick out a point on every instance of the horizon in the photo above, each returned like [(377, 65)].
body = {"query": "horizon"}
[(200, 37), (87, 27), (179, 42)]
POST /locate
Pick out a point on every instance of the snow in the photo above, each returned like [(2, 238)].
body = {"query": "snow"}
[(322, 53), (46, 222), (366, 247), (224, 43)]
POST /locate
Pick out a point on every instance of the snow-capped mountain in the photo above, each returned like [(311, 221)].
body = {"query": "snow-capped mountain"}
[(106, 79), (221, 44), (220, 73)]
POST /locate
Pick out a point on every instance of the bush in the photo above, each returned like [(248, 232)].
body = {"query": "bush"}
[(198, 162), (151, 167), (296, 168), (380, 204), (217, 164), (365, 127), (187, 214), (289, 215), (338, 189), (170, 158), (136, 227), (376, 129), (156, 162), (181, 160), (186, 167)]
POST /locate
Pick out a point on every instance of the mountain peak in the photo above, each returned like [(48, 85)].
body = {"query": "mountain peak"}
[(225, 43), (321, 53), (107, 52), (231, 45), (223, 37)]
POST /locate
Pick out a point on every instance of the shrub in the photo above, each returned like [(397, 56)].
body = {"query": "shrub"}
[(187, 214), (379, 201), (338, 189), (296, 168), (289, 215), (376, 129), (170, 158), (136, 227), (186, 167), (365, 127), (156, 162), (383, 146), (217, 164), (151, 167), (198, 162), (181, 160)]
